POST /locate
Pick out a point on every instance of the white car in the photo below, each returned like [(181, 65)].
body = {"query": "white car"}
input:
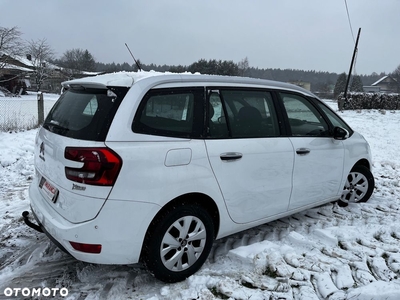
[(152, 167)]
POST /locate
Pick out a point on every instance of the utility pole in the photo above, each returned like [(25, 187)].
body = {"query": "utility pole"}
[(40, 105), (351, 68)]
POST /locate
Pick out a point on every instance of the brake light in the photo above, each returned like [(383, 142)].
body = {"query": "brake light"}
[(88, 248), (100, 165)]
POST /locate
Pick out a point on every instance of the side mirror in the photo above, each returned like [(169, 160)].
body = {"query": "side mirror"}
[(340, 133)]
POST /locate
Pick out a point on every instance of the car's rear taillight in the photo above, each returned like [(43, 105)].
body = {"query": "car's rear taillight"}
[(88, 248), (100, 165)]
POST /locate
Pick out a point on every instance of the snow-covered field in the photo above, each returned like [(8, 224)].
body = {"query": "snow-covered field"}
[(327, 252), (22, 111)]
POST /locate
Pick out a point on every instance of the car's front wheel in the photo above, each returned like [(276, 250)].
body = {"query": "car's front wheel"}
[(359, 186), (178, 243)]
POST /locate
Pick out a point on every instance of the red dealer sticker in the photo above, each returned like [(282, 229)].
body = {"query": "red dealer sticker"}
[(49, 191)]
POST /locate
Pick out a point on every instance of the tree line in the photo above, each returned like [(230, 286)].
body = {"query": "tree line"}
[(323, 82), (75, 61)]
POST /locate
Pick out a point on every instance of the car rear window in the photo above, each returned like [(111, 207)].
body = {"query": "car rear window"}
[(84, 114)]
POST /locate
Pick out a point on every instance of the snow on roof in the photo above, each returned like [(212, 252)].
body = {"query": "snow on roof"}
[(19, 58), (88, 73), (127, 79), (23, 60), (382, 79), (114, 79), (14, 67), (27, 62)]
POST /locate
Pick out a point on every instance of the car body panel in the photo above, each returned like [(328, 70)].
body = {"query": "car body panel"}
[(257, 185), (356, 149), (318, 174), (119, 227), (145, 177), (76, 202)]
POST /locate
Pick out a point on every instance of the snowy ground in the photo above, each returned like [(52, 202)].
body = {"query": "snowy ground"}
[(327, 252)]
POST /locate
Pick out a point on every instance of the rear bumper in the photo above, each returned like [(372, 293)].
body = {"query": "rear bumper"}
[(119, 228), (39, 227)]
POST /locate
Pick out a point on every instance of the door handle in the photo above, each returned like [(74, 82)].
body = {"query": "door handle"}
[(231, 156), (303, 151)]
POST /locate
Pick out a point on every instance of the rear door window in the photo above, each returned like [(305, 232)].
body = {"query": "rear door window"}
[(242, 113)]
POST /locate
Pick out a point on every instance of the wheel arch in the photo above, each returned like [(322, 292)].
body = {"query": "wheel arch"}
[(200, 199), (363, 162)]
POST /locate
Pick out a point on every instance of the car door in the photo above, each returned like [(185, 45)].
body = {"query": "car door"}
[(319, 158), (251, 162)]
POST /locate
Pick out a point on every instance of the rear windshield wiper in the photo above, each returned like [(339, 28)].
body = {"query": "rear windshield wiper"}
[(54, 126)]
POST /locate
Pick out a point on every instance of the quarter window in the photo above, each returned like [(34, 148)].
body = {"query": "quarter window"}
[(169, 113), (91, 107), (304, 118)]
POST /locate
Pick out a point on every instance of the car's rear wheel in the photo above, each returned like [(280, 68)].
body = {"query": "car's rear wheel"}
[(359, 186), (178, 243)]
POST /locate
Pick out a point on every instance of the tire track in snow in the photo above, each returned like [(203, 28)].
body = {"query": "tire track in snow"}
[(350, 264)]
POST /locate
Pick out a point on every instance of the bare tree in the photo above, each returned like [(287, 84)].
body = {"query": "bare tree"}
[(78, 60), (41, 53), (243, 66), (11, 44)]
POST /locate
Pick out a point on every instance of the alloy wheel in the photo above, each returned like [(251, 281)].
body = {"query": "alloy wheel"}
[(356, 187), (183, 243)]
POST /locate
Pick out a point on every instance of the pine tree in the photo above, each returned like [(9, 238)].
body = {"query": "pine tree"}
[(356, 84), (87, 61), (243, 66), (214, 67), (396, 76), (340, 85)]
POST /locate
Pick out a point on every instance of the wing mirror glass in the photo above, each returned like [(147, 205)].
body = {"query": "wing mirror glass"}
[(340, 133)]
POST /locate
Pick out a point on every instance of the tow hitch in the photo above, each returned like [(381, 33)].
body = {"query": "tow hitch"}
[(25, 215)]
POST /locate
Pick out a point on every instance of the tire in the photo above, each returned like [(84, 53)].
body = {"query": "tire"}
[(358, 187), (178, 243)]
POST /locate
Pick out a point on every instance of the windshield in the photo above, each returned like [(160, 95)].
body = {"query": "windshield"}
[(84, 114)]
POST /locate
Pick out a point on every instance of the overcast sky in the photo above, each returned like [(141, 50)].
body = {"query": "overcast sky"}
[(295, 34)]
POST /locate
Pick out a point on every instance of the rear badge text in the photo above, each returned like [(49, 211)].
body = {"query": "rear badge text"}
[(78, 187)]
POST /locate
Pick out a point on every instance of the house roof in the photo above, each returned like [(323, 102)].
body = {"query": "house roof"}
[(25, 62), (14, 67), (382, 79)]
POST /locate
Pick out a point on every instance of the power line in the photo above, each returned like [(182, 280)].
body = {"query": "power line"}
[(352, 34), (348, 17)]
